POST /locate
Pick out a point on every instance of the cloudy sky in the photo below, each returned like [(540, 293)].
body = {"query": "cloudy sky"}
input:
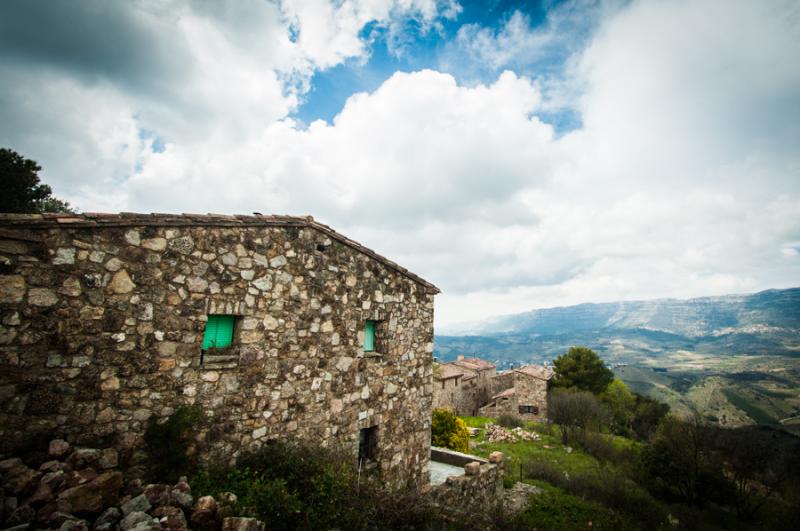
[(517, 154)]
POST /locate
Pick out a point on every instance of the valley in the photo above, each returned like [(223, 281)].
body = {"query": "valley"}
[(735, 360)]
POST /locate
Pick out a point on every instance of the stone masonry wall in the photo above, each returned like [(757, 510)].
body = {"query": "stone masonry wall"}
[(528, 390), (480, 487), (101, 327), (462, 398)]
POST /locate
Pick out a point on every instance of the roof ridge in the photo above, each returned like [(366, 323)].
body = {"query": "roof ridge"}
[(123, 219)]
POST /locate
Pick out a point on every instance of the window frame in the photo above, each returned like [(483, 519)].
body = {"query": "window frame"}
[(371, 325), (213, 320)]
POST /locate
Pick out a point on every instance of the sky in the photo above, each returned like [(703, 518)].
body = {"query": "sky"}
[(519, 155)]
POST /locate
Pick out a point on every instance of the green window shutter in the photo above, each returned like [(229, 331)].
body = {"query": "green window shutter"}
[(219, 331), (369, 336)]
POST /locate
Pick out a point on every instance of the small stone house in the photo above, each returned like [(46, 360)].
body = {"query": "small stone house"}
[(520, 392), (463, 385), (275, 326)]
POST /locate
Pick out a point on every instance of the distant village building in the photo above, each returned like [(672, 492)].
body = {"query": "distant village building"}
[(520, 392), (463, 385), (275, 326)]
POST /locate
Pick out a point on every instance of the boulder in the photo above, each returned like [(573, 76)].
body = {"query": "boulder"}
[(53, 466), (74, 525), (58, 448), (138, 504), (80, 477), (41, 496), (133, 519), (204, 513), (84, 458), (157, 494), (183, 485), (171, 517), (21, 515), (242, 524), (55, 480), (56, 518), (92, 497), (17, 478), (109, 517), (183, 500)]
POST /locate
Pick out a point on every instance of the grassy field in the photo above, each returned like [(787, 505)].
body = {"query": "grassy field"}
[(547, 449)]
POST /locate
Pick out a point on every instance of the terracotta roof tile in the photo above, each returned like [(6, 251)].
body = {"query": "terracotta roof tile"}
[(128, 219), (475, 364), (448, 371)]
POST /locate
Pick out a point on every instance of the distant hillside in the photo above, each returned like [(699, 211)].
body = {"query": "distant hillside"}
[(734, 358), (765, 323), (767, 311)]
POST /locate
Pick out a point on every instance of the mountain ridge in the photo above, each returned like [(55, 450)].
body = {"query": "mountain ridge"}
[(770, 310)]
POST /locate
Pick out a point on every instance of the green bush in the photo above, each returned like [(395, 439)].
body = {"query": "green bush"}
[(510, 421), (168, 444), (449, 431), (298, 486), (556, 511)]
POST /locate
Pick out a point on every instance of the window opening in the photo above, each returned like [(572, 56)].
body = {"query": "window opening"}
[(369, 336), (532, 410), (367, 443), (219, 331)]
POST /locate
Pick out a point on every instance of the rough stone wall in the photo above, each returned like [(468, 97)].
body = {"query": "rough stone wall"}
[(501, 382), (446, 392), (532, 391), (480, 487), (101, 329), (463, 396), (528, 391)]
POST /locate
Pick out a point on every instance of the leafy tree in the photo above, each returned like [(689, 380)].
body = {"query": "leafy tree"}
[(449, 431), (22, 192), (757, 461), (647, 416), (582, 369), (681, 462), (576, 413), (621, 403)]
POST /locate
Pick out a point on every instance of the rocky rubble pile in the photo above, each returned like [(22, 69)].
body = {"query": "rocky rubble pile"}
[(81, 489), (498, 434)]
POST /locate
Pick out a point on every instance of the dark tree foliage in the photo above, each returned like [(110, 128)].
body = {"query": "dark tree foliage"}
[(22, 191), (581, 368), (647, 416), (168, 444), (681, 462), (758, 462), (576, 413)]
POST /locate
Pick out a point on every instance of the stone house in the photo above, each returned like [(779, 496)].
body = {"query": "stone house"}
[(463, 384), (520, 392), (275, 326)]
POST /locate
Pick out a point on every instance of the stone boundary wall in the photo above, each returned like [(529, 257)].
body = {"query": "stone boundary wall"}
[(480, 487)]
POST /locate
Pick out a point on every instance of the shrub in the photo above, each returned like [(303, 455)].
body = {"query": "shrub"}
[(168, 444), (576, 413), (300, 486), (449, 431), (510, 421)]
